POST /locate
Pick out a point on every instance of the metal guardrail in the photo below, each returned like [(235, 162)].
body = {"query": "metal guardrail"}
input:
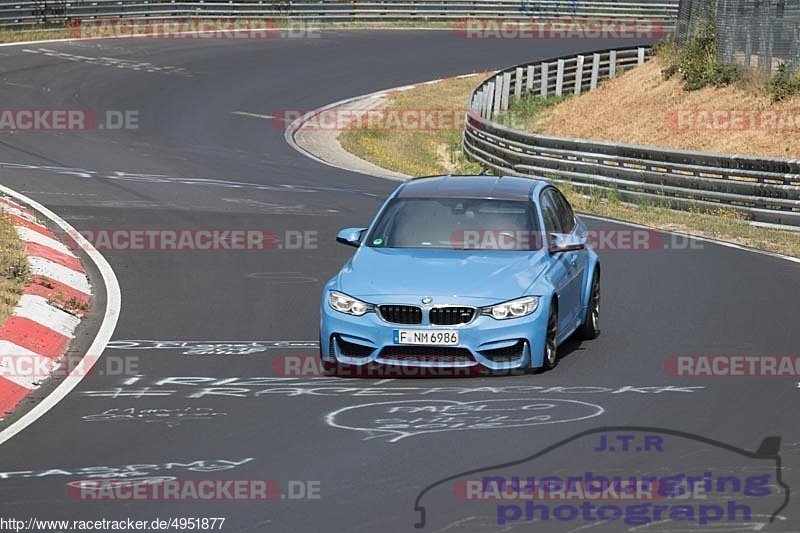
[(52, 13), (764, 189)]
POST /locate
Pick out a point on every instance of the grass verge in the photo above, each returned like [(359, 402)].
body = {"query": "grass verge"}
[(13, 267), (419, 153), (19, 36)]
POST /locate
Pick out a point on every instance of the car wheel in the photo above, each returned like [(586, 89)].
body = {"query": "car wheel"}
[(550, 359), (590, 328)]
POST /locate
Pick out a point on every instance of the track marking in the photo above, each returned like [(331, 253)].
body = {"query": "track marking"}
[(107, 326), (254, 115)]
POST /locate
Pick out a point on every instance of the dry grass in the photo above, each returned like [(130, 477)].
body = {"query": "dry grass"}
[(13, 267), (419, 152), (425, 153), (17, 36), (636, 108)]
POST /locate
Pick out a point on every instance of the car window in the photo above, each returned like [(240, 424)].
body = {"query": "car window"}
[(565, 214), (552, 223), (460, 223)]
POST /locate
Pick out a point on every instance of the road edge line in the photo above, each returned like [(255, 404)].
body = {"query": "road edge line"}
[(113, 302)]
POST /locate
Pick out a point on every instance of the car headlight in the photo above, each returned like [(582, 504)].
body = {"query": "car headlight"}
[(513, 309), (347, 304)]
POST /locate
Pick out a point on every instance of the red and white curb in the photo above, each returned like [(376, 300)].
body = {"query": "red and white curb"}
[(38, 332), (68, 286)]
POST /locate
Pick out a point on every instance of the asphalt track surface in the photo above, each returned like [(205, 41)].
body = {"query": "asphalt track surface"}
[(657, 303)]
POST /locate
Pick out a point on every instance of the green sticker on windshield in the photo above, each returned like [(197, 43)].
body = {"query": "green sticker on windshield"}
[(377, 242)]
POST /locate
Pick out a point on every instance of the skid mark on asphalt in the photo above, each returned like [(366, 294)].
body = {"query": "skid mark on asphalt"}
[(142, 66)]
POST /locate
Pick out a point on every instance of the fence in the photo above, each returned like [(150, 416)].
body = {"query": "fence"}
[(763, 189), (757, 33), (57, 13)]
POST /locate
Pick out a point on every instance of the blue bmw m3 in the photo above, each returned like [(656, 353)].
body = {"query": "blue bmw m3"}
[(480, 272)]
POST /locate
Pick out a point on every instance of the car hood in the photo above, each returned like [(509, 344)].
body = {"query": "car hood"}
[(460, 275)]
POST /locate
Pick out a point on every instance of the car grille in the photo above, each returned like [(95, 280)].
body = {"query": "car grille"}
[(508, 354), (450, 316), (401, 314), (351, 349), (426, 354)]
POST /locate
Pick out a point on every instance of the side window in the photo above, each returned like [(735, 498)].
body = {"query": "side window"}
[(552, 224), (565, 213)]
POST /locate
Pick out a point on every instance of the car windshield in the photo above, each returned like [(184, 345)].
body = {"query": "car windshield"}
[(456, 223)]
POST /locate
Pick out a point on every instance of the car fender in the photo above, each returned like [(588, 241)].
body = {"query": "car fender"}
[(592, 263)]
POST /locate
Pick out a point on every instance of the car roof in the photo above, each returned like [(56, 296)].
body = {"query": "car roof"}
[(488, 187)]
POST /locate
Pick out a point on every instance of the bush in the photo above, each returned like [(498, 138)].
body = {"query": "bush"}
[(783, 84), (697, 62)]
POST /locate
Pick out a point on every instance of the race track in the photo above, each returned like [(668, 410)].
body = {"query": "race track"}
[(193, 164)]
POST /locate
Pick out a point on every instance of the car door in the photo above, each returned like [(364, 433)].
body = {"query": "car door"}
[(571, 263), (557, 270)]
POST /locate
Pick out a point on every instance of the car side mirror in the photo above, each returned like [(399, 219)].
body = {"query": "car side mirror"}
[(566, 242), (351, 236)]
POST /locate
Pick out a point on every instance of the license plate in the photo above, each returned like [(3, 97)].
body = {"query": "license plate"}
[(443, 337)]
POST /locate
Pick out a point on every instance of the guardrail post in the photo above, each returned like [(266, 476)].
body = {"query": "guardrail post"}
[(529, 81), (506, 91), (543, 90), (477, 103), (560, 78), (489, 100), (579, 74), (612, 64), (595, 72), (518, 83), (498, 91), (641, 55)]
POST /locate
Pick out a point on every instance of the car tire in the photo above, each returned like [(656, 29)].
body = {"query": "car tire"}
[(590, 329), (550, 356)]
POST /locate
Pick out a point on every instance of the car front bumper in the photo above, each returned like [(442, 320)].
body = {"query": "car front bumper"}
[(484, 343)]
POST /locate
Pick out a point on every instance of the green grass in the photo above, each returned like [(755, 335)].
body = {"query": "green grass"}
[(524, 113), (419, 152), (13, 267)]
